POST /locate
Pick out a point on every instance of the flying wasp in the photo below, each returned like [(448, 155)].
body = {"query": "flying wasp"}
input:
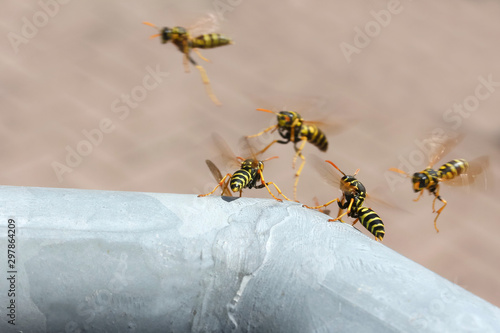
[(456, 172), (249, 174), (352, 200), (181, 37), (292, 128)]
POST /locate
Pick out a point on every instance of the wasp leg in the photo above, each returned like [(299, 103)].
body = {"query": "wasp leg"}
[(267, 147), (325, 205), (279, 191), (436, 196), (187, 57), (185, 63), (226, 189), (199, 55), (298, 151), (341, 204), (269, 190), (274, 127), (338, 218), (208, 87), (220, 184), (297, 175), (439, 210), (324, 211), (355, 221), (340, 215), (419, 195)]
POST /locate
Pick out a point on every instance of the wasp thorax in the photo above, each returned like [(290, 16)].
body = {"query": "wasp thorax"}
[(247, 164), (179, 30)]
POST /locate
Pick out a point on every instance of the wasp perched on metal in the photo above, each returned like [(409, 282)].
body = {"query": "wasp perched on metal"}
[(182, 38), (292, 128), (353, 198), (455, 172), (249, 174)]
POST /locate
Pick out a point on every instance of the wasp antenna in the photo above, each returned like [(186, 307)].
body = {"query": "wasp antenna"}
[(399, 171), (150, 24), (356, 172), (268, 111), (270, 158), (154, 36), (336, 167)]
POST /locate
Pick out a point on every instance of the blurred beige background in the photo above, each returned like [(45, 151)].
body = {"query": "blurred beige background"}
[(67, 69)]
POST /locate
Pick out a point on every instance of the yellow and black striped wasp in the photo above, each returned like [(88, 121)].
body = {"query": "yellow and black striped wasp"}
[(456, 172), (181, 37), (292, 128), (248, 175), (353, 198)]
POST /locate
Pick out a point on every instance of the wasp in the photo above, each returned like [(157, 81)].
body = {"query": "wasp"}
[(455, 172), (353, 198), (181, 37), (293, 128), (249, 174)]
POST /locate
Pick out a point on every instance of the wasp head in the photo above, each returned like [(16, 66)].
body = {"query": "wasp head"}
[(420, 181), (172, 34), (287, 118), (166, 34)]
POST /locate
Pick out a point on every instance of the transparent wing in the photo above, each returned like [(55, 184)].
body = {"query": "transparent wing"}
[(326, 171), (475, 174), (218, 177), (247, 149), (439, 146), (375, 198), (226, 153), (207, 24), (250, 151), (331, 127)]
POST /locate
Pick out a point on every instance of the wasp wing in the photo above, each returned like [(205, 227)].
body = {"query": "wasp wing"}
[(326, 171), (331, 127), (226, 153), (206, 24), (218, 177), (440, 146)]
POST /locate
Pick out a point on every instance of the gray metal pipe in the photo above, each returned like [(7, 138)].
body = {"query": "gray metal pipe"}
[(102, 261)]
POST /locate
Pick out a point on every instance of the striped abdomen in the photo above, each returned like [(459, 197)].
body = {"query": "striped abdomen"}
[(371, 221), (315, 136), (208, 41), (452, 169), (240, 180)]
